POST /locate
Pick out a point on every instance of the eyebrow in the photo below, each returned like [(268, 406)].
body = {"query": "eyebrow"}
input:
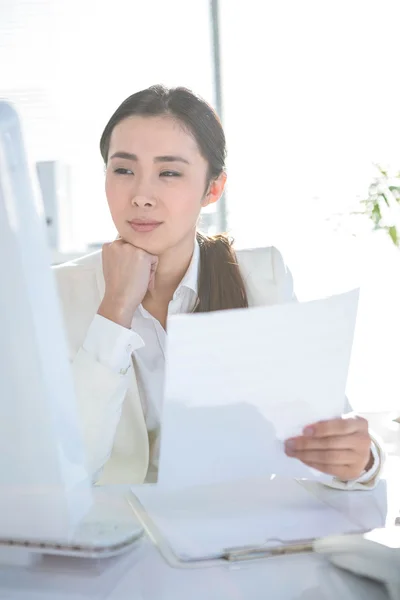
[(157, 159)]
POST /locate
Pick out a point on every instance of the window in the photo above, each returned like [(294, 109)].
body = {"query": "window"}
[(68, 65), (310, 103)]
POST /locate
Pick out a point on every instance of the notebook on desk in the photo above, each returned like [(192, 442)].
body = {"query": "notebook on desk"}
[(202, 525)]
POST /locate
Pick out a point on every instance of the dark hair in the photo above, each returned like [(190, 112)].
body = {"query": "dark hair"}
[(220, 283)]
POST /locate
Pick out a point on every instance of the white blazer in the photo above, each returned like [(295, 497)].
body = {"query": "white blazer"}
[(112, 418)]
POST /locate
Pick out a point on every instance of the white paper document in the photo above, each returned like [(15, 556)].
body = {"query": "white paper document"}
[(202, 522), (240, 382)]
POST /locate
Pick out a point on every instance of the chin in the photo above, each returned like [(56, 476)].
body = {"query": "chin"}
[(147, 242)]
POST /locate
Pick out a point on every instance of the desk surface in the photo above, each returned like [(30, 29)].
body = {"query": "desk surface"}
[(143, 575)]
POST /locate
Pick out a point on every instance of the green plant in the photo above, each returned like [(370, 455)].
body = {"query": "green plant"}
[(382, 206)]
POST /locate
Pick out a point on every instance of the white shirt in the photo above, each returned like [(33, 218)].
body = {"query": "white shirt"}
[(114, 346)]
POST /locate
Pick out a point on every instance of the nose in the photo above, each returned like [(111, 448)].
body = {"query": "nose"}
[(143, 201)]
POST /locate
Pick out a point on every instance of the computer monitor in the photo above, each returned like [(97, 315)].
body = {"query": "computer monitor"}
[(44, 487)]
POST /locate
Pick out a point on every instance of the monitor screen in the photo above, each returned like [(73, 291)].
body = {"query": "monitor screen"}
[(43, 481)]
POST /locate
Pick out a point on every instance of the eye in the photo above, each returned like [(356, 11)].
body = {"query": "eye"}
[(170, 174), (122, 171)]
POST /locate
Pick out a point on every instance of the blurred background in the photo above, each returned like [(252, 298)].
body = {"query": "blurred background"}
[(308, 93)]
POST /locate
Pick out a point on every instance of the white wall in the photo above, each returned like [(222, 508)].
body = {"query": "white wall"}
[(68, 65), (311, 94)]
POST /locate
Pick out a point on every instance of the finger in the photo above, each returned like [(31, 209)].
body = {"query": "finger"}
[(326, 457), (151, 281), (343, 472), (355, 441), (154, 263), (341, 426)]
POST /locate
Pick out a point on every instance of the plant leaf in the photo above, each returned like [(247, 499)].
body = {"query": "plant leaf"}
[(394, 235), (376, 214), (382, 171)]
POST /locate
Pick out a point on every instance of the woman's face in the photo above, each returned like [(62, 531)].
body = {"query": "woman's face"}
[(156, 183)]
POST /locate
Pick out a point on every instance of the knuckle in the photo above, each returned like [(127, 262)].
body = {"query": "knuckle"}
[(348, 425), (362, 440), (366, 437), (363, 423)]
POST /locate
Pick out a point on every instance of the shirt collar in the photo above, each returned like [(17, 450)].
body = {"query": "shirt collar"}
[(190, 279)]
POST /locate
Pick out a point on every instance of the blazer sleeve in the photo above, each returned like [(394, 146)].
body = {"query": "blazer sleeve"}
[(100, 393), (285, 292), (100, 390)]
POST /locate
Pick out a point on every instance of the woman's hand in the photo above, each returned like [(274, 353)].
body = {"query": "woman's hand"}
[(128, 273), (339, 447)]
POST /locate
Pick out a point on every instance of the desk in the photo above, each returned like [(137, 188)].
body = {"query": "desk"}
[(143, 575)]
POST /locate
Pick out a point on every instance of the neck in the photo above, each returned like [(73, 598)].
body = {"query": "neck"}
[(172, 266)]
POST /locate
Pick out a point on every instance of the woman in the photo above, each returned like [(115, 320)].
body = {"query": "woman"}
[(164, 152)]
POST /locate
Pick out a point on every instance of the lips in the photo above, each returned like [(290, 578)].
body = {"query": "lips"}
[(144, 226)]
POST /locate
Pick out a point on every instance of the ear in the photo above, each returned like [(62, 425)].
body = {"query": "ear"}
[(215, 190)]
